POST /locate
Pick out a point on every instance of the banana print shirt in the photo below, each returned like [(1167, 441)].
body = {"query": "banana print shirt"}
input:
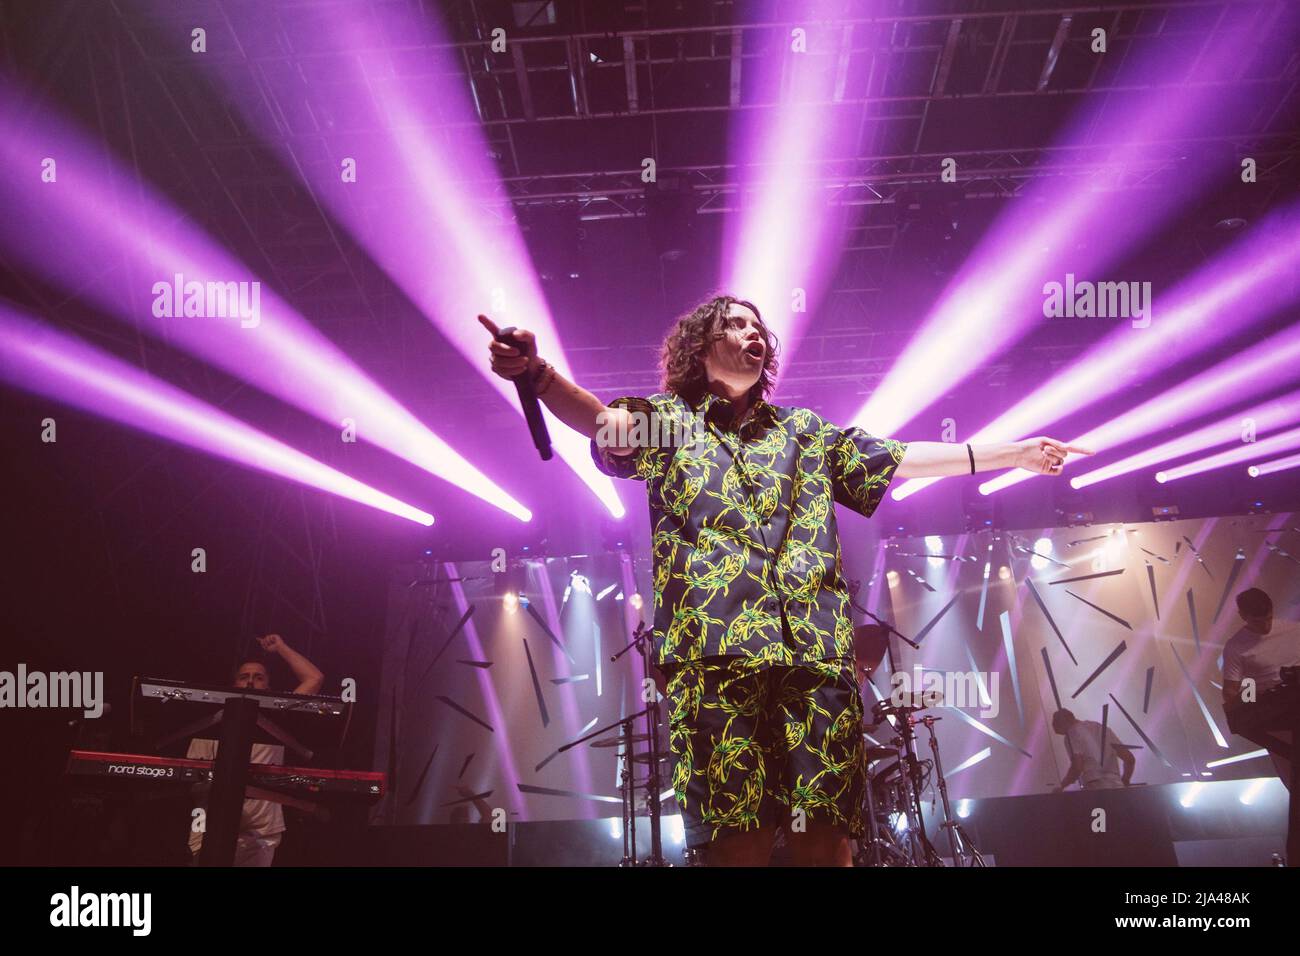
[(743, 526)]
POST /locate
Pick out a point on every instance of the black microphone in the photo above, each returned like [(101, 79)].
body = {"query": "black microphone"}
[(528, 397)]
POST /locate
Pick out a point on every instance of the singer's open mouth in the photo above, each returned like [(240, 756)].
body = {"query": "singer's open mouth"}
[(755, 349)]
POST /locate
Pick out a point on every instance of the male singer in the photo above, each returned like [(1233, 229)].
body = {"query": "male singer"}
[(751, 625)]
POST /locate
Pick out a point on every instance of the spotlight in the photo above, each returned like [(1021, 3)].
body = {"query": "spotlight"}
[(1190, 794), (892, 578), (635, 601), (1279, 464), (1165, 512), (963, 808), (1004, 572), (1252, 791), (1288, 440)]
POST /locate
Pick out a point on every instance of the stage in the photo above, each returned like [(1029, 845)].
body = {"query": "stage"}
[(524, 434)]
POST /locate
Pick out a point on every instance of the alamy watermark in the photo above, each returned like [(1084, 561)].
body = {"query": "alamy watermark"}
[(933, 688), (646, 430), (79, 690), (213, 300), (1098, 300), (76, 908)]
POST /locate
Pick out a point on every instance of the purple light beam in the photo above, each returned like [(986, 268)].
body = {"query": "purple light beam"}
[(1275, 414), (1285, 441), (95, 214), (427, 202), (1246, 283), (997, 296), (59, 366), (780, 240)]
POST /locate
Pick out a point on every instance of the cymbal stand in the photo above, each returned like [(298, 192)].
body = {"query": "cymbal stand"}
[(962, 847)]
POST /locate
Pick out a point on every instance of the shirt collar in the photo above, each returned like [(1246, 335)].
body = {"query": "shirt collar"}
[(715, 408)]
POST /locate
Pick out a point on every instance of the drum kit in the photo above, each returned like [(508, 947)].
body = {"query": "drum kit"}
[(897, 778)]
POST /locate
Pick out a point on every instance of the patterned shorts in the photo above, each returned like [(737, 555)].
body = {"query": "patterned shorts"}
[(753, 744)]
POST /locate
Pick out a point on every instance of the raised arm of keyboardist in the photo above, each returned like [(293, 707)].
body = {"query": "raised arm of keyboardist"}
[(309, 676)]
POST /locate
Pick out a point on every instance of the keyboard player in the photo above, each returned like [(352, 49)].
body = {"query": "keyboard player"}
[(262, 825)]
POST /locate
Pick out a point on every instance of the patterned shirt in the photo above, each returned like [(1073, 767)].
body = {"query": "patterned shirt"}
[(744, 530)]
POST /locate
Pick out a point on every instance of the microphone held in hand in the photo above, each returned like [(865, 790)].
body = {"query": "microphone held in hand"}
[(528, 396)]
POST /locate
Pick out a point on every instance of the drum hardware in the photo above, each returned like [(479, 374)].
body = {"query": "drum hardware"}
[(893, 792), (653, 756), (962, 847), (620, 740)]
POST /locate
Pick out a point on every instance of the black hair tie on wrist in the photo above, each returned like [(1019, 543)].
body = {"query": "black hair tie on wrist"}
[(972, 458)]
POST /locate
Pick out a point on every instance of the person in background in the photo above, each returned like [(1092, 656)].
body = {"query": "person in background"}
[(1093, 768), (1257, 653), (262, 826)]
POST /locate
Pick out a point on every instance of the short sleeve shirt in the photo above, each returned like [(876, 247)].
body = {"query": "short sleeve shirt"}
[(743, 524), (263, 817), (1262, 656), (1084, 740)]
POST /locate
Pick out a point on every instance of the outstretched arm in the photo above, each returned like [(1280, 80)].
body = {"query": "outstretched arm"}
[(937, 459), (568, 401)]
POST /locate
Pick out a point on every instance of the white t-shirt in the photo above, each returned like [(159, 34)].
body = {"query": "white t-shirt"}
[(1085, 744), (1262, 656), (262, 817)]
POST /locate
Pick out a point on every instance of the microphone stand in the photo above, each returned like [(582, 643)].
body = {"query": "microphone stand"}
[(908, 737), (641, 641)]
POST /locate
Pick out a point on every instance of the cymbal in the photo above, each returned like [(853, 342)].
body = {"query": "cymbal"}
[(620, 740), (880, 753), (870, 641), (886, 772), (645, 758)]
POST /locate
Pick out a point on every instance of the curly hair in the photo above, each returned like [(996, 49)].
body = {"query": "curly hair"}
[(690, 340)]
